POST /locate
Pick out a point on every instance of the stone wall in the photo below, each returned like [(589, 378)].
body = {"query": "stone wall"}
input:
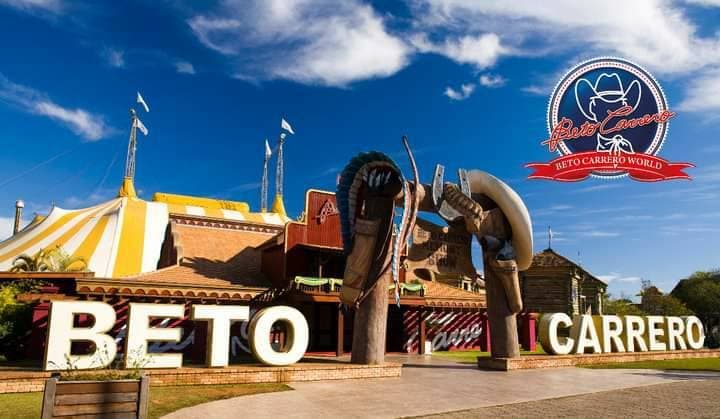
[(33, 381)]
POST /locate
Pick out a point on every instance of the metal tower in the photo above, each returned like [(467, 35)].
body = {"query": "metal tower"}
[(264, 187), (132, 146), (280, 167)]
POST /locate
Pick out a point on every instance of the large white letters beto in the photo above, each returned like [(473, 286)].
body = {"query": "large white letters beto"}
[(597, 334), (62, 333), (219, 319), (140, 332)]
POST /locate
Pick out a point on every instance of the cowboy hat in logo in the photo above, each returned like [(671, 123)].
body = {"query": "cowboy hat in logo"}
[(608, 118), (607, 93)]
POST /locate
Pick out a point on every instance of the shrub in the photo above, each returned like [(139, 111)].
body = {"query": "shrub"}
[(15, 319)]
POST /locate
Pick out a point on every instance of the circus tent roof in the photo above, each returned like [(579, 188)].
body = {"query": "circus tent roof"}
[(118, 238)]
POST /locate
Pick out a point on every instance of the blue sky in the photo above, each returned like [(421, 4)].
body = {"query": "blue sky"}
[(468, 81)]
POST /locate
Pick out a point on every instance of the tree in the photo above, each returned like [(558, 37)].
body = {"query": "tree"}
[(15, 318), (654, 302), (701, 293), (620, 307), (53, 260)]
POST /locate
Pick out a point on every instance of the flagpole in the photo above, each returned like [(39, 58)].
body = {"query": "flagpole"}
[(549, 238), (264, 189), (279, 173), (132, 146)]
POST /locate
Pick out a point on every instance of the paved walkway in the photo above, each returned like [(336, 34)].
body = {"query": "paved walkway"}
[(685, 399), (430, 386)]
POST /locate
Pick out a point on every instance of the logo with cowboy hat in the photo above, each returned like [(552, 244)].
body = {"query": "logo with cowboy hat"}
[(608, 118)]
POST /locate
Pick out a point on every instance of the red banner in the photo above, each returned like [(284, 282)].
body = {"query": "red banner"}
[(578, 166)]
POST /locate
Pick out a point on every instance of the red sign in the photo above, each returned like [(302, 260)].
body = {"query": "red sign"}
[(579, 166)]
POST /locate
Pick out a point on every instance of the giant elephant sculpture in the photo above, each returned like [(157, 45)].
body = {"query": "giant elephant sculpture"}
[(370, 191)]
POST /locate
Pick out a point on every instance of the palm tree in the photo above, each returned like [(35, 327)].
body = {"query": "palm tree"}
[(53, 260), (34, 263)]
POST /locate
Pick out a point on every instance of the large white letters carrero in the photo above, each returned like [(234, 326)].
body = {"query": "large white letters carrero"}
[(655, 332), (694, 332), (620, 333), (585, 335), (634, 331), (61, 335), (549, 339), (612, 330), (676, 328)]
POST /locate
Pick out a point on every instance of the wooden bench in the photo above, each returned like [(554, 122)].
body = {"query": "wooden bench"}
[(119, 399)]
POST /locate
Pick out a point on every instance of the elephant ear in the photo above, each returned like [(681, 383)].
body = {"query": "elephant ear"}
[(349, 190)]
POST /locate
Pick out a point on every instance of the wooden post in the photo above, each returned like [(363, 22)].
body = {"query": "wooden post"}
[(144, 396), (422, 332), (49, 398), (340, 332), (370, 326), (503, 324)]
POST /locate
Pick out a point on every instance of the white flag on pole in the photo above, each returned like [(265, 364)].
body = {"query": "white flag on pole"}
[(141, 101), (139, 125), (268, 152), (286, 126)]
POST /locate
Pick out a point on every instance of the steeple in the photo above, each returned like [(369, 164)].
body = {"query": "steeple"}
[(278, 206)]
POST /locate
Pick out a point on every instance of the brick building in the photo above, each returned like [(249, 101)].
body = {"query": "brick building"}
[(218, 252)]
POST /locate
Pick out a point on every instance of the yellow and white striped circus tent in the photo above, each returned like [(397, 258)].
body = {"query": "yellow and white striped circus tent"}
[(124, 236)]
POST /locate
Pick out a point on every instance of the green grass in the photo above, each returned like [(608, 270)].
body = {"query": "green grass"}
[(163, 400), (470, 357), (20, 405), (697, 364)]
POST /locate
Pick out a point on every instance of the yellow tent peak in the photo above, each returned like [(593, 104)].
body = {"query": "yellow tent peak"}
[(278, 206), (127, 189)]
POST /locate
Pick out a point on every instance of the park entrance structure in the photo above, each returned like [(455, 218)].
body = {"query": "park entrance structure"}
[(181, 249)]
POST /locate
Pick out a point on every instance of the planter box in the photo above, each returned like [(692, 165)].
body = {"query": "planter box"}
[(96, 399)]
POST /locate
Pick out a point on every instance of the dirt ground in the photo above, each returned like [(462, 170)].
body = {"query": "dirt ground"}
[(687, 399)]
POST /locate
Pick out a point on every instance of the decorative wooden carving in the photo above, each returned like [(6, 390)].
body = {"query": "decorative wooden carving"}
[(328, 209)]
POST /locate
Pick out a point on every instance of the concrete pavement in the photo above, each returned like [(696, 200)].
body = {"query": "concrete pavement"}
[(676, 400), (429, 386)]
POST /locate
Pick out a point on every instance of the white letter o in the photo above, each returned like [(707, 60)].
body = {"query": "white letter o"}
[(298, 335)]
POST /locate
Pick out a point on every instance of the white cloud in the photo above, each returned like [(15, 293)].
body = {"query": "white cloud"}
[(706, 3), (701, 94), (309, 41), (6, 227), (537, 90), (114, 57), (54, 6), (600, 187), (184, 67), (90, 126), (599, 233), (554, 209), (492, 80), (465, 91), (96, 197), (481, 51), (656, 33), (614, 277)]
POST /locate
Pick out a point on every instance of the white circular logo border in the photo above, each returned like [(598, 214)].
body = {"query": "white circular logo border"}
[(614, 62)]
